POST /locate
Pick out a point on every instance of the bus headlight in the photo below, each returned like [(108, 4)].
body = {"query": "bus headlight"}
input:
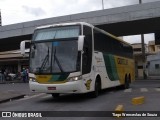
[(32, 79), (74, 78)]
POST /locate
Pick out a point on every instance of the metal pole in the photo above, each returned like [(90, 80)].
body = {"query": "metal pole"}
[(0, 18), (102, 4), (140, 1), (143, 48), (142, 41), (143, 57), (143, 52)]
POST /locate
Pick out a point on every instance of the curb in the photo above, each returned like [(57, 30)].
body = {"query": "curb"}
[(12, 98), (10, 82)]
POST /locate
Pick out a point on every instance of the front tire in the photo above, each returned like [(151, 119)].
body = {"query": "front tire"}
[(97, 89)]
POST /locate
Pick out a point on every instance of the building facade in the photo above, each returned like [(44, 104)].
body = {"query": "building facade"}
[(139, 64), (153, 65), (153, 60), (153, 48), (12, 61)]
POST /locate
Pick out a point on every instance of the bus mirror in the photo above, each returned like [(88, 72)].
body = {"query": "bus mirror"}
[(80, 42), (22, 48)]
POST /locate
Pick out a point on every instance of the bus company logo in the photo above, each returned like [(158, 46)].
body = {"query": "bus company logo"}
[(88, 84), (122, 61), (6, 114)]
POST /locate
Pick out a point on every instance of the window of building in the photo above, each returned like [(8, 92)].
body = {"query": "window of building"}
[(158, 47), (140, 67), (157, 66), (137, 49)]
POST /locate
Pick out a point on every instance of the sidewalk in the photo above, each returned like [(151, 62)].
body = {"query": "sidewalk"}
[(10, 95), (10, 90), (11, 81), (149, 78), (154, 77)]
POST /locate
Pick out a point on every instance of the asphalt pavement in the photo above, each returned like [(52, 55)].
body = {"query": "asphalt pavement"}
[(16, 89), (107, 101), (11, 90)]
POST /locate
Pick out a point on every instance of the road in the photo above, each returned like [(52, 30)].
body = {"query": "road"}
[(107, 101)]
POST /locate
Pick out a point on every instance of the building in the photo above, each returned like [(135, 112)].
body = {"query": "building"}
[(139, 65), (12, 61), (153, 65), (153, 48), (153, 60)]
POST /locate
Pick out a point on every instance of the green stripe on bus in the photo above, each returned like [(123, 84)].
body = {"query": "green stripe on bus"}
[(59, 77), (111, 67)]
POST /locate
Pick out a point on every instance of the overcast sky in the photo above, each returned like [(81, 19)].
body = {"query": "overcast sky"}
[(16, 11)]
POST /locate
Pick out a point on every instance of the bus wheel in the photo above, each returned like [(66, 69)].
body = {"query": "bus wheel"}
[(127, 82), (55, 95), (97, 89)]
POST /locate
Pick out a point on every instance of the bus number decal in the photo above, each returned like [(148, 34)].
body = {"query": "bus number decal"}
[(122, 61)]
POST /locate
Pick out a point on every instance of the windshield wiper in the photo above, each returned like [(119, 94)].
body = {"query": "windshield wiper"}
[(44, 61), (58, 63)]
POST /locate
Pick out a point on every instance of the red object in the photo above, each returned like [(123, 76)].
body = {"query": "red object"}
[(51, 88)]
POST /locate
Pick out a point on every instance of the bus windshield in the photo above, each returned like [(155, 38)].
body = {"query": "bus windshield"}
[(51, 52), (54, 57)]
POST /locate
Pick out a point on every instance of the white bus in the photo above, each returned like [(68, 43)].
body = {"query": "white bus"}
[(78, 58)]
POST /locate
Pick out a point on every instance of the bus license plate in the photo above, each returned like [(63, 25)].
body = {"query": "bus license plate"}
[(51, 88)]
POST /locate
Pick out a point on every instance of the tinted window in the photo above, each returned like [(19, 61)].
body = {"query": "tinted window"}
[(102, 43), (109, 45), (87, 48)]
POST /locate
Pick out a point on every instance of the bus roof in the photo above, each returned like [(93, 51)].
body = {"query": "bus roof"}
[(65, 24)]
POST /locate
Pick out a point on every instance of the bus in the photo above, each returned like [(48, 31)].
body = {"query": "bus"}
[(78, 58)]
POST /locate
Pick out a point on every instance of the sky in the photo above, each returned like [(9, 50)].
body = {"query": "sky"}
[(17, 11)]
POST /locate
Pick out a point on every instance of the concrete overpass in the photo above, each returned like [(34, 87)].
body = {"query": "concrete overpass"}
[(128, 20), (121, 21)]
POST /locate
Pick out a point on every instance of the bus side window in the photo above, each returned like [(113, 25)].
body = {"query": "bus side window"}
[(87, 48), (85, 56)]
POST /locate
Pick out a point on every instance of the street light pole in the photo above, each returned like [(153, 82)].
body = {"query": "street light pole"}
[(0, 18), (102, 4), (143, 52), (140, 1)]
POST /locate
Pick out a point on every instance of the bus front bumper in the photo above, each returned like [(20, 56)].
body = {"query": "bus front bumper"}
[(68, 87)]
